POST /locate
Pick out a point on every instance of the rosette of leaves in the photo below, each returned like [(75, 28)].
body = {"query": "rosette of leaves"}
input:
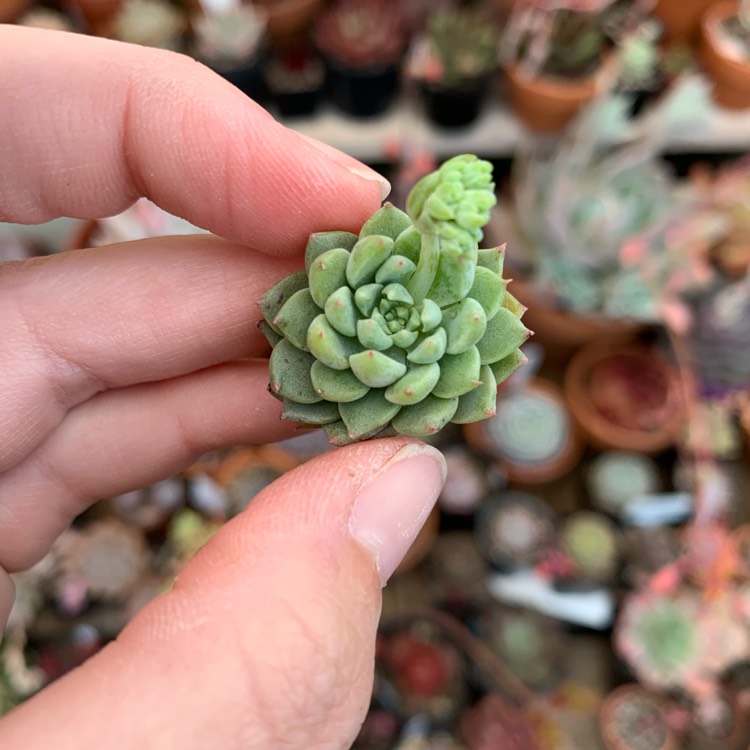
[(589, 540), (404, 328)]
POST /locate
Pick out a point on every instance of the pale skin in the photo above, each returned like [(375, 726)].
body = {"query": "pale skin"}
[(121, 365)]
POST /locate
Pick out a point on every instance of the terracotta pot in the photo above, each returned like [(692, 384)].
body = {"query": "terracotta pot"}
[(12, 10), (96, 14), (561, 332), (289, 21), (479, 436), (681, 18), (730, 76), (610, 721), (547, 105), (601, 430)]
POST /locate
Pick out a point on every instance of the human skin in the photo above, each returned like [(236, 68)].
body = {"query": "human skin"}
[(121, 365)]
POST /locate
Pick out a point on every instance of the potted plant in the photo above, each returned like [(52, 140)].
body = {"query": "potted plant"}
[(151, 23), (590, 542), (514, 530), (362, 43), (553, 55), (616, 478), (454, 62), (625, 395), (294, 80), (633, 718), (466, 483), (531, 436), (289, 21), (230, 41), (495, 722), (724, 51)]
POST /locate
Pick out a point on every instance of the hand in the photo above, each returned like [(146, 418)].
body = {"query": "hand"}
[(123, 364)]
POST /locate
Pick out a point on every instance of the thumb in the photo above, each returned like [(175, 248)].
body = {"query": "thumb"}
[(267, 638)]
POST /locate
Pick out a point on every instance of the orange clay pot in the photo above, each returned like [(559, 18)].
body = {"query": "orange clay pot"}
[(681, 19), (730, 75), (562, 332), (547, 105), (12, 10), (601, 430)]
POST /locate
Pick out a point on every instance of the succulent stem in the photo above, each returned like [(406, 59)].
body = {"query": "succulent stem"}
[(427, 266)]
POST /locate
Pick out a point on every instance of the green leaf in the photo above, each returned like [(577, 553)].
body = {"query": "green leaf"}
[(389, 221), (425, 418), (409, 244), (321, 242), (492, 259), (415, 385), (404, 338), (324, 412), (327, 274), (366, 258), (340, 311), (368, 415), (289, 373), (459, 373), (397, 268), (505, 332), (465, 324), (336, 385), (372, 336), (504, 368), (430, 349), (430, 316), (294, 318), (328, 345), (488, 289), (512, 304), (366, 297), (480, 403), (337, 433), (272, 337), (455, 274), (275, 298), (397, 293), (375, 368)]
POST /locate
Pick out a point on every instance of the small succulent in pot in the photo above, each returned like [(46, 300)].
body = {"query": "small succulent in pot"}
[(151, 23), (404, 328), (229, 37), (616, 478), (454, 62), (590, 542), (362, 42), (294, 79)]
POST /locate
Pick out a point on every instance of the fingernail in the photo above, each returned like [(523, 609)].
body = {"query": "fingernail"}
[(350, 163), (391, 509)]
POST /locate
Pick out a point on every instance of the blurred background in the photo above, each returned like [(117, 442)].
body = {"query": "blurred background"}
[(585, 579)]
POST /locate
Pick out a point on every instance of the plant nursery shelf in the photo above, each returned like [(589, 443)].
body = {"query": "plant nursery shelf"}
[(495, 135)]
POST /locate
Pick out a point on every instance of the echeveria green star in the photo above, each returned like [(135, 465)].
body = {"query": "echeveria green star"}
[(404, 327)]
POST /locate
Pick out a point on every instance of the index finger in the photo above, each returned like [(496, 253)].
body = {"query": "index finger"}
[(90, 125)]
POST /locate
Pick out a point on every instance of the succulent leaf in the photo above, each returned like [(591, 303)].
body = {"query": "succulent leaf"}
[(403, 328)]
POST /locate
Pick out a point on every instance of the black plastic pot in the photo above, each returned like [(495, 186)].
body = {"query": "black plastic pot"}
[(297, 103), (247, 78), (362, 93), (456, 106)]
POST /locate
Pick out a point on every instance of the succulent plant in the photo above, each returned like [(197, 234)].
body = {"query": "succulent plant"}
[(362, 34), (404, 328), (466, 483), (589, 540), (458, 46), (151, 23), (632, 718), (616, 478), (229, 37)]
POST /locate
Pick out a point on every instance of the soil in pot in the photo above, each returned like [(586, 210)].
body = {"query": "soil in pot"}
[(457, 106), (547, 105), (727, 63), (362, 93)]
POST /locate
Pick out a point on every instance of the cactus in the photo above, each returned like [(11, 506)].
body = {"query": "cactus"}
[(362, 34), (404, 328)]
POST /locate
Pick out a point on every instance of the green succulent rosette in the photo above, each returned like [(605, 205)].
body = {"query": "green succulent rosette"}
[(403, 328)]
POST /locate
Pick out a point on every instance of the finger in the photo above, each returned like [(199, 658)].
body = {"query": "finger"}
[(126, 439), (82, 322), (89, 125), (267, 638)]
